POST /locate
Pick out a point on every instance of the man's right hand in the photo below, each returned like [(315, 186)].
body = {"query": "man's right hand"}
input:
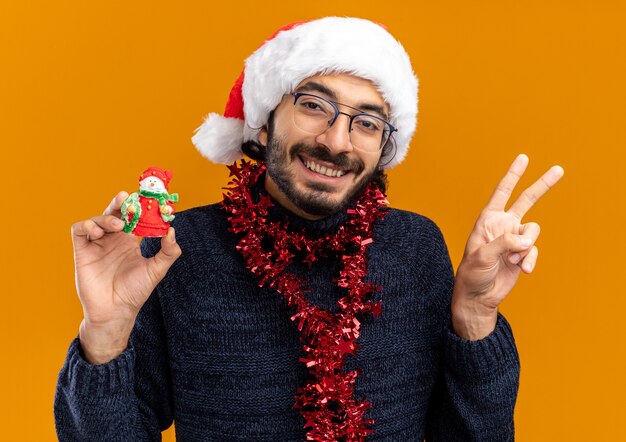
[(114, 280)]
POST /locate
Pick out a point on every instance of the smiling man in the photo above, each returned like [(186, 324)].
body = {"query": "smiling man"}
[(301, 307)]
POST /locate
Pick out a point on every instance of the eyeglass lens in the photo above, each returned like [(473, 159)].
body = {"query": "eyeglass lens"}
[(315, 115)]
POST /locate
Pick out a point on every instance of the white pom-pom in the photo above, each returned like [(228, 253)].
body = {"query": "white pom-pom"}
[(220, 138)]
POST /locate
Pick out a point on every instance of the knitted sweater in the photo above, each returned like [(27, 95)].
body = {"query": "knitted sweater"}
[(218, 355)]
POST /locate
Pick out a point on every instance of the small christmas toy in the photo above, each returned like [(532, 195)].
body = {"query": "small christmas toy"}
[(148, 212)]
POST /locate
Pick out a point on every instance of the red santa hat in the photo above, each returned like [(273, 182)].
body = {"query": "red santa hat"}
[(298, 51), (163, 175)]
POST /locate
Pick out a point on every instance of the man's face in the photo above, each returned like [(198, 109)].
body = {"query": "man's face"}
[(317, 175)]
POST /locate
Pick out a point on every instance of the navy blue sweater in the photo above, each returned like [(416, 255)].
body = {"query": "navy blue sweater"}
[(219, 356)]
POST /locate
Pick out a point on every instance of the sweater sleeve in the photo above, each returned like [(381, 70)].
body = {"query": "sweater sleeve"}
[(126, 399), (476, 388)]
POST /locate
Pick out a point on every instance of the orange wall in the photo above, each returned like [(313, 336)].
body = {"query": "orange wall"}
[(91, 93)]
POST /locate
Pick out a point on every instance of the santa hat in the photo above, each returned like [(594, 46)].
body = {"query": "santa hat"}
[(163, 175), (301, 50)]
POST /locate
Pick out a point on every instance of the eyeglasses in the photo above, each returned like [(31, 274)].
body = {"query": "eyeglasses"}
[(315, 115)]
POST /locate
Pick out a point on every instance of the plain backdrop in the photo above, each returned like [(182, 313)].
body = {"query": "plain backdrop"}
[(92, 93)]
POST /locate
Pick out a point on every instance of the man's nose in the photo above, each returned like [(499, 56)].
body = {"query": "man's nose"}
[(337, 137)]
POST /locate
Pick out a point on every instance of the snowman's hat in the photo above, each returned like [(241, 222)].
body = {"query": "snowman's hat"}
[(163, 175)]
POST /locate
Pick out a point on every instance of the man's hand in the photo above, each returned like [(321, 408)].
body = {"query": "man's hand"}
[(114, 280), (498, 249)]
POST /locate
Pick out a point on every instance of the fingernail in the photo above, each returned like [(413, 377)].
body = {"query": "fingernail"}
[(528, 266), (118, 222), (173, 238), (514, 258), (525, 241)]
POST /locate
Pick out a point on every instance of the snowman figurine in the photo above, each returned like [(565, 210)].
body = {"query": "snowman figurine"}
[(148, 212)]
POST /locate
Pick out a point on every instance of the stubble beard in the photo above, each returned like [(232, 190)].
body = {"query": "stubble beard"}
[(317, 201)]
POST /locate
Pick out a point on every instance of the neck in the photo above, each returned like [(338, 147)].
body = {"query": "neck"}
[(272, 188)]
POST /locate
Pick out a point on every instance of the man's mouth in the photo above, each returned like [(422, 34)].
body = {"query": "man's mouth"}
[(323, 170)]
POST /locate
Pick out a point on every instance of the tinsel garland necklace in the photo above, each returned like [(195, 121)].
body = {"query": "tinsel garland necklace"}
[(327, 401)]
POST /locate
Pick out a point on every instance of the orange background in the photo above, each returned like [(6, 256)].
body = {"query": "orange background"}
[(94, 92)]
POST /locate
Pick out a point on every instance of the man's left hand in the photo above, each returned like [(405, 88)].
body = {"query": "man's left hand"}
[(498, 249)]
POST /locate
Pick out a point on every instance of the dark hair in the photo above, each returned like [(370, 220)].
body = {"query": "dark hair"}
[(256, 151)]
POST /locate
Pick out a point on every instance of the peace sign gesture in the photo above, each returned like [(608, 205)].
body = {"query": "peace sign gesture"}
[(498, 249)]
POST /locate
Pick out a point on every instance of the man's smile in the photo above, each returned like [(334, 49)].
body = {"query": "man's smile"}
[(320, 167), (327, 171)]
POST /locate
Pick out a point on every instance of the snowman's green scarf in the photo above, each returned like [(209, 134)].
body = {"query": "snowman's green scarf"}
[(133, 200)]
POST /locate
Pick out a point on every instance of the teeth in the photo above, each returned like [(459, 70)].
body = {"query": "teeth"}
[(323, 170)]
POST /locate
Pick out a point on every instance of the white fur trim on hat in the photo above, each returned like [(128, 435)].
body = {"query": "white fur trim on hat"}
[(220, 138)]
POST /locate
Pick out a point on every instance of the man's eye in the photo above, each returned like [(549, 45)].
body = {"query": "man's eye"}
[(368, 125), (312, 106)]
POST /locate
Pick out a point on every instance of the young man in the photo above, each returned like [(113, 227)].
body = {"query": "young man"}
[(299, 308)]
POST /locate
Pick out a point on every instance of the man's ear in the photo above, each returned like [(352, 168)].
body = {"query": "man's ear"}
[(263, 136)]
